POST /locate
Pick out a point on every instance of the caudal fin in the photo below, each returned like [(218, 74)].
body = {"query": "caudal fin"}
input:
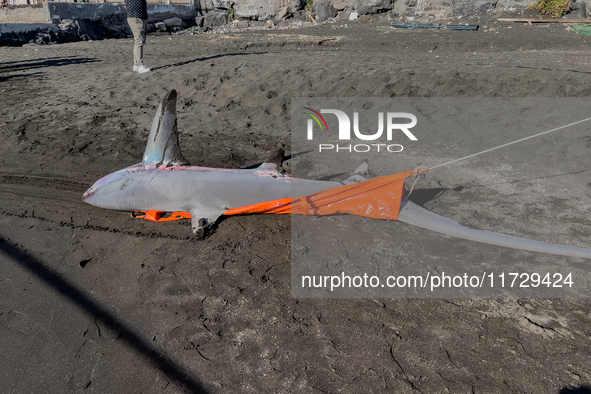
[(163, 142), (417, 216)]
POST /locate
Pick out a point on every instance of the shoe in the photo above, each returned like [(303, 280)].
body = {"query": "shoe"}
[(143, 69), (135, 68)]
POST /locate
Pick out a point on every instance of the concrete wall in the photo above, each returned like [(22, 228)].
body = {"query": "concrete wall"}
[(22, 14), (97, 11), (158, 12)]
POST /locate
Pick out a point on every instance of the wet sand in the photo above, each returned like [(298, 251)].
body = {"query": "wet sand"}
[(91, 299)]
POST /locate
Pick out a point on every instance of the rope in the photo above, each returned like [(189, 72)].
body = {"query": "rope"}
[(419, 171), (509, 143)]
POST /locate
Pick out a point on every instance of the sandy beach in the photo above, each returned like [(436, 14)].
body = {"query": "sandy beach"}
[(92, 300)]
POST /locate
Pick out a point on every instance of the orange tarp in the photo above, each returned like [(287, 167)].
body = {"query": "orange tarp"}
[(377, 198)]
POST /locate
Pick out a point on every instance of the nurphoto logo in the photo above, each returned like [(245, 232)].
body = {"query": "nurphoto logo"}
[(391, 119)]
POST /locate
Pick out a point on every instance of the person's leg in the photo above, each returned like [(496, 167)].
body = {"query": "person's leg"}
[(138, 49), (138, 28)]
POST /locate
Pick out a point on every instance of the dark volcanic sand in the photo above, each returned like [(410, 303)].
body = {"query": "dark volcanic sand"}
[(91, 300)]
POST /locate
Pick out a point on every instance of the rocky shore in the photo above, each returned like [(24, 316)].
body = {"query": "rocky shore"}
[(242, 14)]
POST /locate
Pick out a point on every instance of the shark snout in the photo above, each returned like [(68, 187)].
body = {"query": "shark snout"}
[(89, 193)]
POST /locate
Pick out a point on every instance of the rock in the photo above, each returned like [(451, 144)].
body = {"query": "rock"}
[(66, 24), (353, 16), (257, 9), (473, 7), (324, 11), (246, 14), (161, 26), (242, 24), (199, 21), (299, 15), (579, 11), (93, 29), (342, 4), (258, 23), (223, 4), (344, 15), (374, 6), (170, 22), (68, 30), (204, 6), (412, 8), (215, 18)]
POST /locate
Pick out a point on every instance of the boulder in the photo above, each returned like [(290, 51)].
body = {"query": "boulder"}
[(344, 15), (205, 6), (67, 24), (471, 7), (342, 4), (223, 4), (265, 9), (374, 6), (299, 15), (579, 11), (241, 24), (324, 11), (160, 26), (93, 29), (170, 22), (247, 14), (215, 18)]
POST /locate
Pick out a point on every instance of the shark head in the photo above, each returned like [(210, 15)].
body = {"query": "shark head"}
[(106, 192)]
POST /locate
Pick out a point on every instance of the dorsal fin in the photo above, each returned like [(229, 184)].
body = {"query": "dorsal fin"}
[(362, 169), (163, 142), (276, 156), (274, 161), (359, 174)]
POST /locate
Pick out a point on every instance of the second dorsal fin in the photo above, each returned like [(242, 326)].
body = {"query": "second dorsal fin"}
[(274, 161)]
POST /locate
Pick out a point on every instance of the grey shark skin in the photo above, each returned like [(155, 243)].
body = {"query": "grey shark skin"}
[(164, 181)]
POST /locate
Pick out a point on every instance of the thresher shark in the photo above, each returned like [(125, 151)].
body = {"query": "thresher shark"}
[(165, 184)]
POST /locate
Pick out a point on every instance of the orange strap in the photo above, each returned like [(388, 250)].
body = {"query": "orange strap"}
[(160, 216)]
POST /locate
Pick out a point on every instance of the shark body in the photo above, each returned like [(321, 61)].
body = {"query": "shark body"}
[(164, 181)]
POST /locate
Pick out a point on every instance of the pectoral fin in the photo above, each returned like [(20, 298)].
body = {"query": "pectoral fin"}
[(202, 221)]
